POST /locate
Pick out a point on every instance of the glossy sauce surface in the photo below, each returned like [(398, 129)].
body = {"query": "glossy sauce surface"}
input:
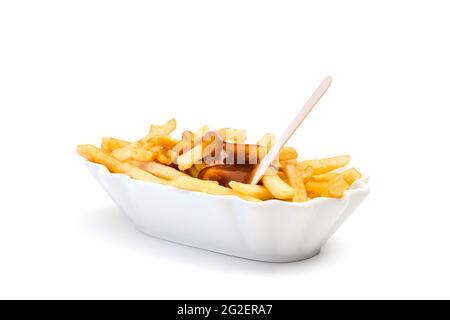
[(226, 173)]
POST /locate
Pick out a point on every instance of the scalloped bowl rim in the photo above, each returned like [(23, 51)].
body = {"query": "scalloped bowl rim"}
[(358, 186)]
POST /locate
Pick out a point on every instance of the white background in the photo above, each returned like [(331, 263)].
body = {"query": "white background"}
[(74, 71)]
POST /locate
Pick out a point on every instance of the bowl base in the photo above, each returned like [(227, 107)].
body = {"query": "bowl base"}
[(236, 255)]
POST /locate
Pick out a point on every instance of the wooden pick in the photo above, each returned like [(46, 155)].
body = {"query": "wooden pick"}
[(265, 163)]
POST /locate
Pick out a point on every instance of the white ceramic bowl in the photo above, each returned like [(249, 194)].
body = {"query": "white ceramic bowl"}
[(272, 231)]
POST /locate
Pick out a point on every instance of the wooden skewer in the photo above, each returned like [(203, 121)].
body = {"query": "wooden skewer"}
[(261, 169)]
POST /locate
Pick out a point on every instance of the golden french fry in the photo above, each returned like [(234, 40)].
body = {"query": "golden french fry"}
[(351, 175), (152, 148), (256, 191), (159, 170), (324, 177), (110, 144), (336, 187), (267, 140), (143, 155), (165, 129), (189, 136), (234, 135), (125, 153), (277, 187), (172, 155), (164, 157), (170, 126), (193, 156), (248, 198), (307, 173), (193, 138), (194, 184), (283, 176), (257, 152), (187, 160), (315, 188), (156, 130), (326, 165), (94, 154), (189, 140), (211, 187), (183, 146), (287, 153), (164, 141), (295, 179)]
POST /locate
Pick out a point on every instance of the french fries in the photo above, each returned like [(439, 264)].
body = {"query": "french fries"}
[(283, 176), (233, 135), (164, 157), (96, 155), (335, 188), (287, 153), (256, 191), (165, 129), (143, 155), (326, 165), (193, 184), (188, 159), (189, 139), (158, 169), (277, 187), (111, 144), (164, 141), (126, 152), (351, 175), (332, 185), (295, 179), (315, 189), (324, 177), (205, 186), (161, 158), (306, 173), (267, 140)]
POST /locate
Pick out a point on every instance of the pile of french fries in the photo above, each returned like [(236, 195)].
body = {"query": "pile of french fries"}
[(161, 158)]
